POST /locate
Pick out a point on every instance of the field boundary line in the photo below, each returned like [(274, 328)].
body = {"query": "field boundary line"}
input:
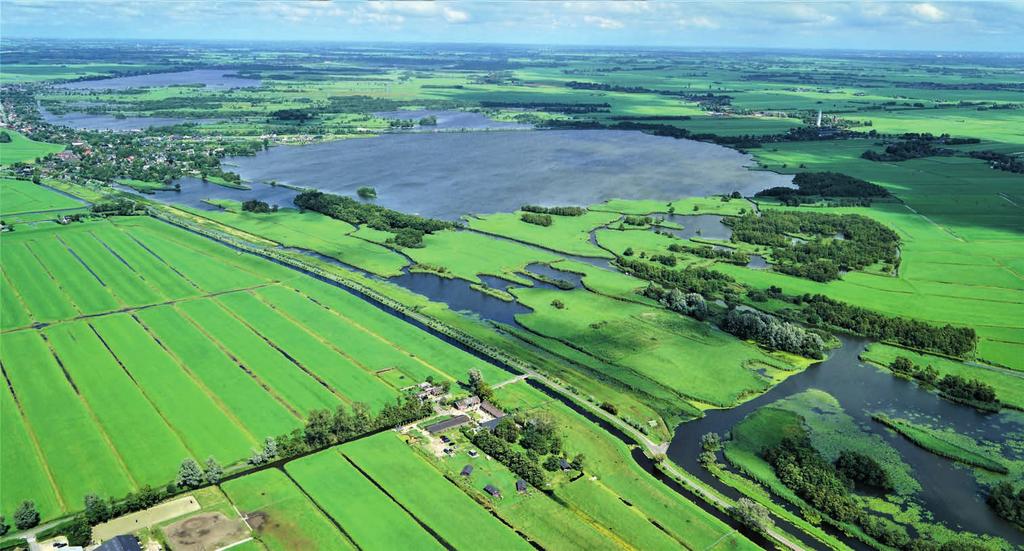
[(162, 261), (316, 504), (35, 441), (131, 268), (241, 365), (320, 338), (294, 361), (56, 282), (198, 382), (21, 299), (92, 415), (142, 391)]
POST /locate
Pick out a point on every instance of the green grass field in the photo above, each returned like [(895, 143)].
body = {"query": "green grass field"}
[(369, 516), (282, 517), (23, 150), (22, 196)]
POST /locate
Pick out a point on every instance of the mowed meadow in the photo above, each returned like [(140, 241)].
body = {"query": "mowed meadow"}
[(134, 344)]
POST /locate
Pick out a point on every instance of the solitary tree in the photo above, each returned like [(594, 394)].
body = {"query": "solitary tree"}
[(753, 515), (96, 509), (4, 527), (478, 386), (26, 515), (578, 462), (213, 472), (189, 474), (711, 442), (79, 532)]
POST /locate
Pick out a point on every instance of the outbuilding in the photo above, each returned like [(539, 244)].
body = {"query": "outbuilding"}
[(521, 486), (467, 470), (492, 490), (456, 421)]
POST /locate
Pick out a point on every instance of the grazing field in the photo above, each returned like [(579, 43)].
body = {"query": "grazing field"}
[(281, 516), (566, 234), (312, 231), (467, 255), (24, 150), (369, 516), (455, 517), (161, 345), (22, 196)]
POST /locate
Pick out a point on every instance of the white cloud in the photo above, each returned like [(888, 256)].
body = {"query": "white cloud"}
[(928, 12), (602, 22), (698, 21), (455, 16)]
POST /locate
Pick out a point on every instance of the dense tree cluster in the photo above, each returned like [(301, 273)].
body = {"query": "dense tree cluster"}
[(631, 220), (292, 115), (549, 106), (751, 514), (367, 192), (118, 207), (773, 333), (903, 367), (5, 137), (517, 461), (692, 279), (731, 256), (326, 428), (908, 149), (1008, 502), (864, 241), (536, 219), (374, 216), (1000, 161), (257, 206), (690, 304), (863, 470), (557, 211), (949, 340), (971, 391), (826, 184)]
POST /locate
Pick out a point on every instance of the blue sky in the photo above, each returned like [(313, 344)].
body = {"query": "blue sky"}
[(965, 25)]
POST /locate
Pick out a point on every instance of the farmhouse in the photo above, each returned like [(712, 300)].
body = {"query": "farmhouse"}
[(468, 404), (456, 421), (492, 490), (491, 409), (564, 464), (120, 543)]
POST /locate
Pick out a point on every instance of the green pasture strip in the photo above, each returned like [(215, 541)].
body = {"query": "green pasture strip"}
[(44, 299), (424, 492), (193, 410), (24, 474), (84, 289), (151, 450), (933, 441), (21, 196), (1004, 353), (592, 499), (291, 520), (23, 150), (258, 412), (212, 272), (567, 234), (466, 254), (313, 231), (670, 349), (288, 380), (127, 284), (606, 282), (609, 459), (368, 349), (156, 273), (303, 344), (370, 517), (441, 355), (554, 526), (63, 427), (13, 312), (1009, 386)]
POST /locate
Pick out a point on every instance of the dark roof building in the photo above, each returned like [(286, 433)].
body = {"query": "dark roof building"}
[(489, 425), (520, 485), (491, 409), (448, 424), (120, 543), (564, 464), (492, 490), (467, 470), (468, 403)]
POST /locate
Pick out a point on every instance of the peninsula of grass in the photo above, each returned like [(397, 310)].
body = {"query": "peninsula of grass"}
[(20, 149), (933, 441)]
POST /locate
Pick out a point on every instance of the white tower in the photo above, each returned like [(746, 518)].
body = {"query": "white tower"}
[(819, 118)]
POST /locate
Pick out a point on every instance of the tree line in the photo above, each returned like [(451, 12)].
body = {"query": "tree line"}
[(691, 279), (536, 219), (826, 184), (557, 211), (409, 227), (773, 333)]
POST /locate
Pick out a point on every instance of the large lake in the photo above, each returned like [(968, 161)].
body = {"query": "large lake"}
[(211, 78), (451, 174)]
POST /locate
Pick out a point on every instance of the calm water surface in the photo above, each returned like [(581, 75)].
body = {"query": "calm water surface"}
[(453, 120), (447, 175)]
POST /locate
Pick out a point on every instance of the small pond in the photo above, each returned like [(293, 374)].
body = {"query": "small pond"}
[(708, 226), (218, 79)]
